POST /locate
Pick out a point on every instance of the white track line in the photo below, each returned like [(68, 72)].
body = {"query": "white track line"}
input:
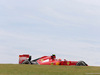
[(92, 73)]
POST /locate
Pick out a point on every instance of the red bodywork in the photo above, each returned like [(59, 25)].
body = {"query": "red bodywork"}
[(47, 60)]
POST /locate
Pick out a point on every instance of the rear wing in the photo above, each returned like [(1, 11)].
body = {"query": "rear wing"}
[(23, 58)]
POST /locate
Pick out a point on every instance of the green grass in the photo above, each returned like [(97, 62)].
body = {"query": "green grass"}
[(16, 69)]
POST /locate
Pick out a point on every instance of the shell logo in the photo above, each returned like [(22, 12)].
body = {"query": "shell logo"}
[(57, 63)]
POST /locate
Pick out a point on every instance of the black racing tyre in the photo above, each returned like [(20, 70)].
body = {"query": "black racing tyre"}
[(26, 62), (81, 63)]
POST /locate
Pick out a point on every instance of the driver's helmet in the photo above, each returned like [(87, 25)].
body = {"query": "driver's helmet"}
[(53, 56)]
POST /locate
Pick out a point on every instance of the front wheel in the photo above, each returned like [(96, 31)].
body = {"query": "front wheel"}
[(81, 63)]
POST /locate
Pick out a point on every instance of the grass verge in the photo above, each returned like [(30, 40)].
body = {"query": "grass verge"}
[(17, 69)]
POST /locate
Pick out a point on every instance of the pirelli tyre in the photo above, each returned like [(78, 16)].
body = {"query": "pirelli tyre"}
[(26, 62), (81, 63)]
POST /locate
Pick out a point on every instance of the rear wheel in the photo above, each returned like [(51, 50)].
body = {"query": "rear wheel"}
[(81, 63), (26, 62)]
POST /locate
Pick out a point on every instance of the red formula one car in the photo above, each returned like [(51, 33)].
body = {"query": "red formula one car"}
[(48, 60)]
